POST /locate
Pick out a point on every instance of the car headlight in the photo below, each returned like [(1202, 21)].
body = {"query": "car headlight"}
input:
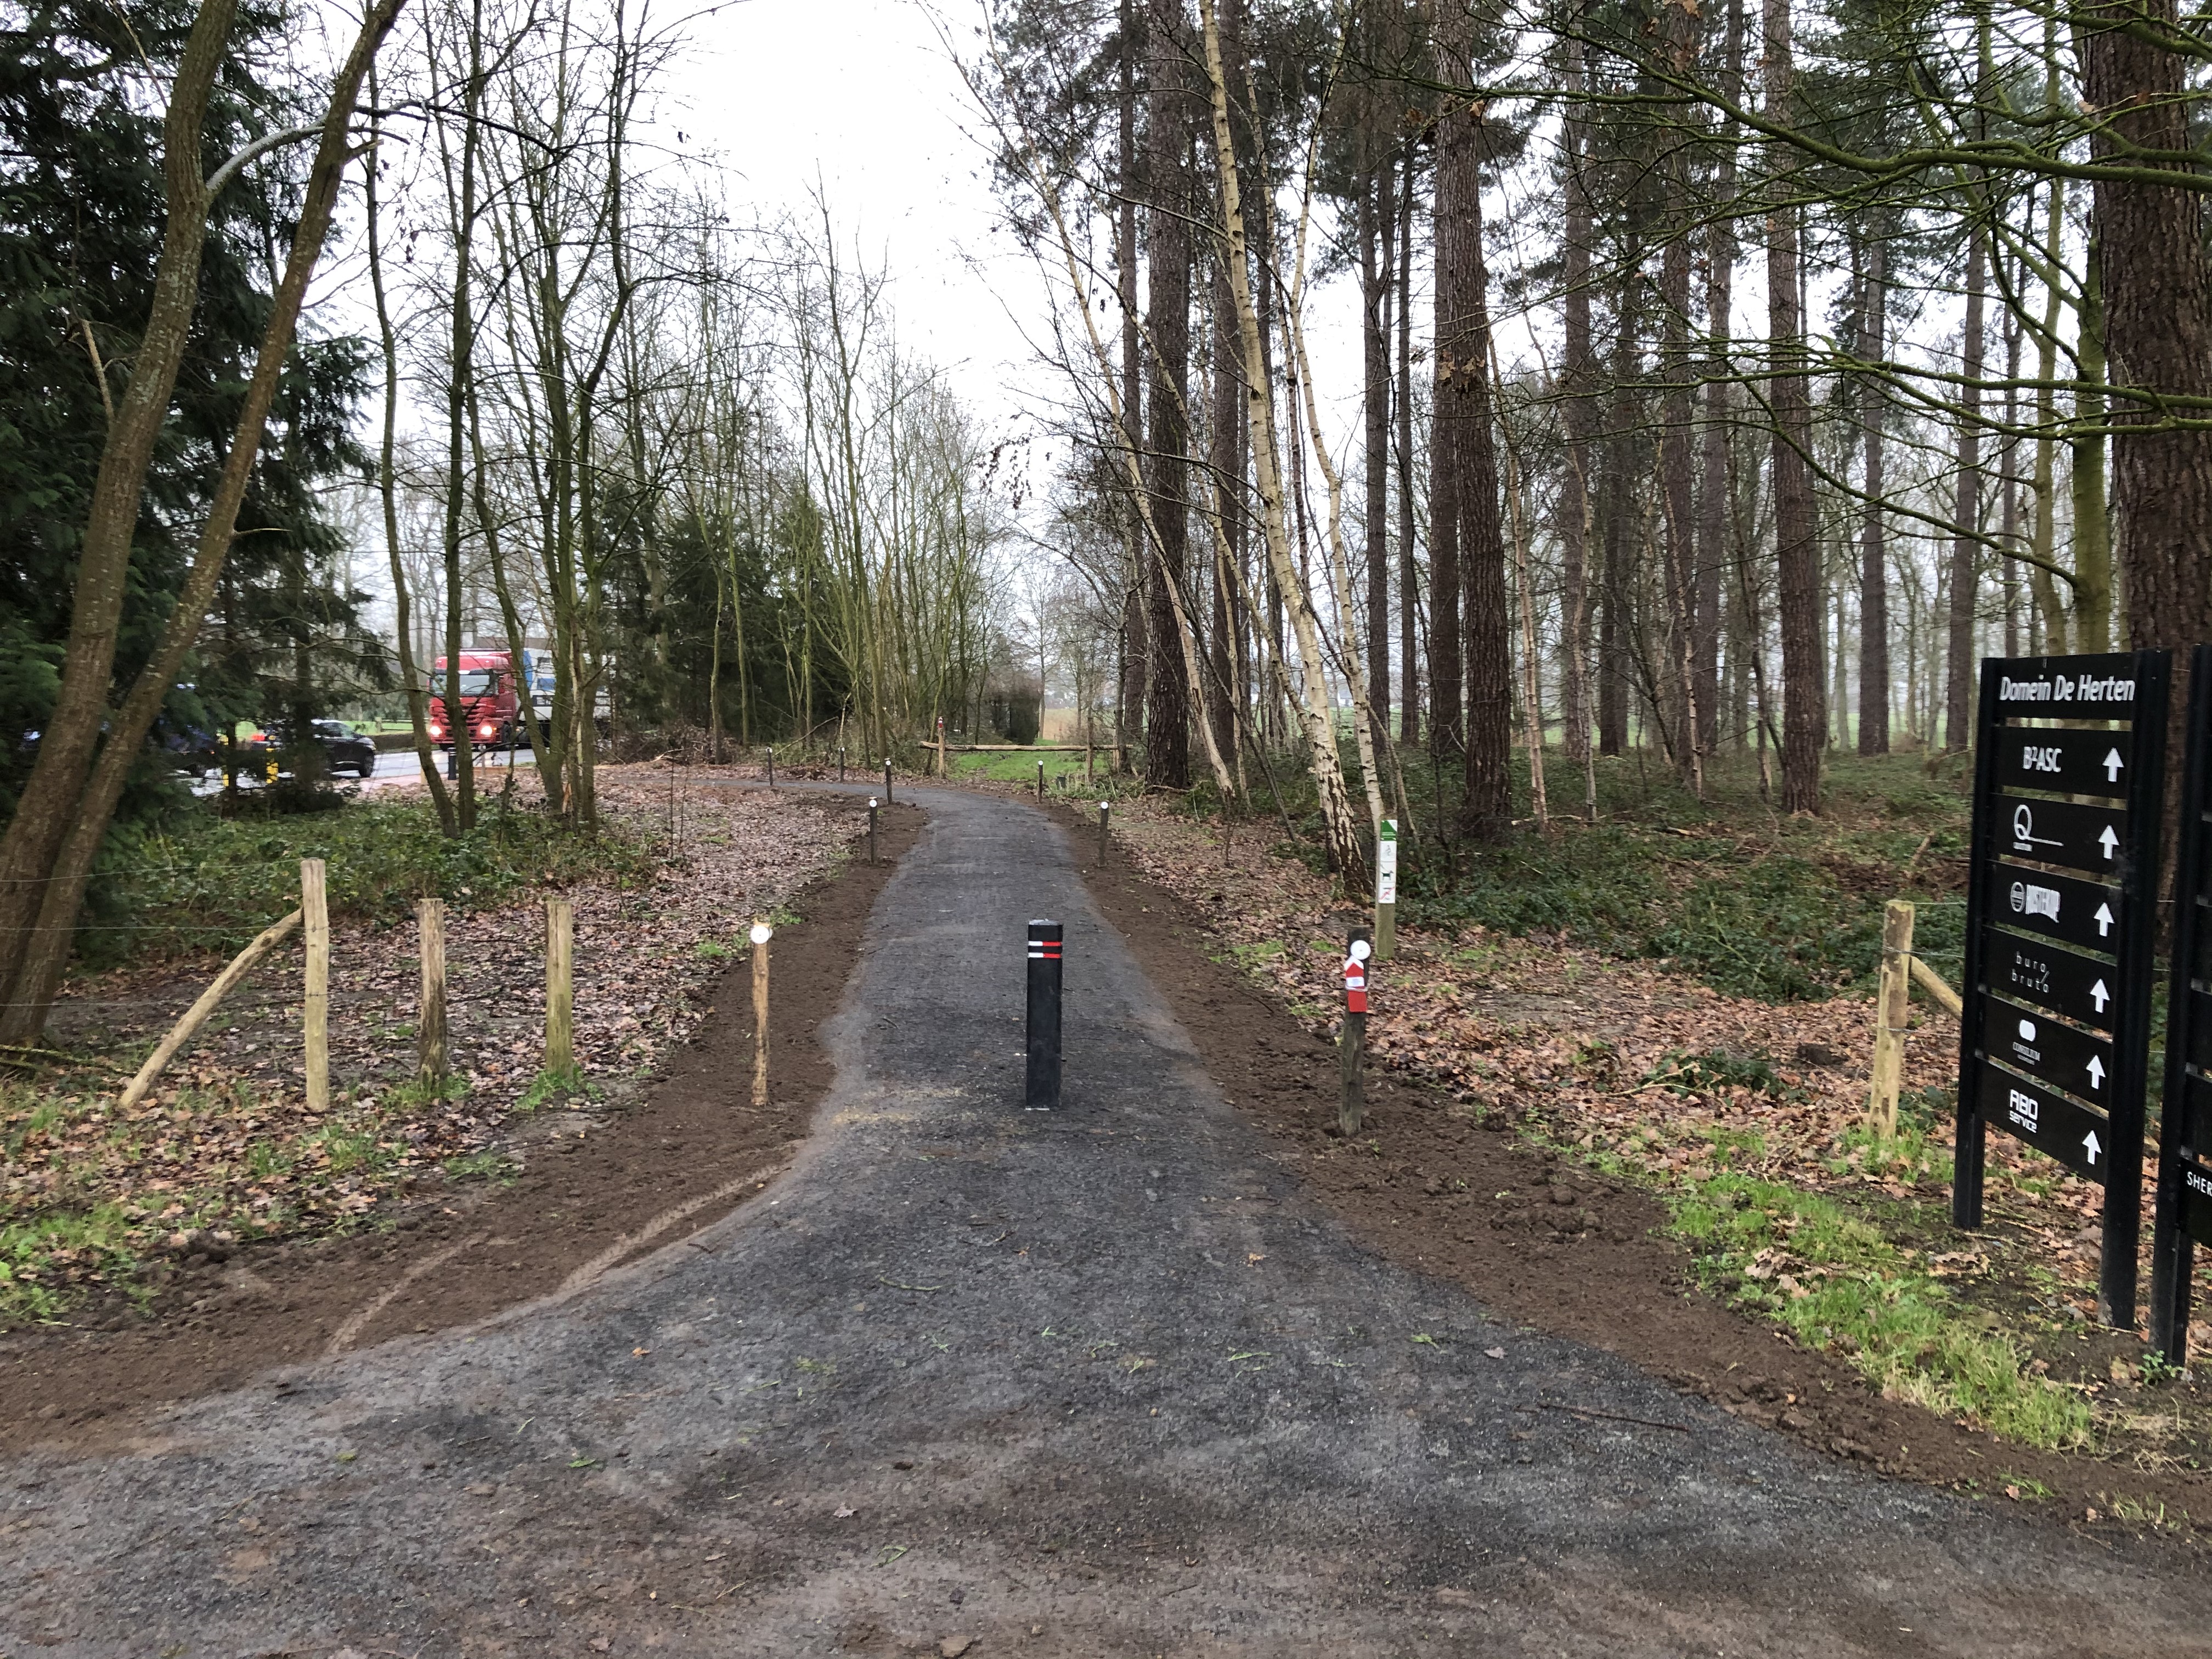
[(436, 730), (485, 730)]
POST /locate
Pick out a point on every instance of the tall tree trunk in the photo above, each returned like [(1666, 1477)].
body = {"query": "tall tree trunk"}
[(1375, 229), (2157, 328), (38, 964), (1622, 532), (403, 625), (1578, 421), (1967, 505), (1676, 508), (70, 733), (1135, 651), (460, 364), (1465, 436), (2093, 537), (1224, 699), (1409, 577), (1874, 555), (1167, 323), (1789, 394), (1340, 826), (1713, 546)]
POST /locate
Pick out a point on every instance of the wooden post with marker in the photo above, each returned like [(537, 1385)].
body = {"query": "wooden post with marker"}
[(1351, 1040), (430, 1011), (760, 934), (560, 987), (315, 1014)]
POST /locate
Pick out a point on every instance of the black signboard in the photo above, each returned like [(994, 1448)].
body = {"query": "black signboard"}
[(2182, 1208), (2083, 913), (2059, 921), (2058, 832), (2196, 1183), (2049, 1050), (2080, 1138), (2066, 762), (2029, 970)]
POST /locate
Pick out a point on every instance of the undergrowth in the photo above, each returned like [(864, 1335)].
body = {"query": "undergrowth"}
[(1722, 888), (205, 884)]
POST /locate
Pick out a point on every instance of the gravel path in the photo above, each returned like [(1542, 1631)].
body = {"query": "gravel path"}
[(1095, 1383)]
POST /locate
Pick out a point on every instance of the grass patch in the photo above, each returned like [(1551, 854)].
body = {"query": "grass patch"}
[(1836, 1283)]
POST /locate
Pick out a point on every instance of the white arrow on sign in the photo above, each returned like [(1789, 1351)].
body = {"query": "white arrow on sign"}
[(2112, 765), (2096, 1071), (2108, 841), (2103, 920), (2092, 1145), (2099, 995)]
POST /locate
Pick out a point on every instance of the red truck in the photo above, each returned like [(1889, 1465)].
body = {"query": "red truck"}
[(488, 701)]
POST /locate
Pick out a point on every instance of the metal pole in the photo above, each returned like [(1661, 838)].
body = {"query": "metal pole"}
[(1351, 1104), (872, 829), (1042, 1093), (771, 766), (1105, 809), (841, 762), (888, 796), (1040, 779)]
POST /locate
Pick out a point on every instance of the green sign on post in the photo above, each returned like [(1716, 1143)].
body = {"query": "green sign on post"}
[(1386, 890)]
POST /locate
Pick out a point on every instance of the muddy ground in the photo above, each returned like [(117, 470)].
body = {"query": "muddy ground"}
[(587, 1190)]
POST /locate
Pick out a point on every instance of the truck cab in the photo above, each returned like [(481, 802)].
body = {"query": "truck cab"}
[(488, 700)]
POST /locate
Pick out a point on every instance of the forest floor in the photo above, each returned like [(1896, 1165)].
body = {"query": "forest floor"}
[(109, 1219), (1730, 1125)]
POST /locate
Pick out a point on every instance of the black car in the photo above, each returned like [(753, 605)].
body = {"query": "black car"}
[(344, 750)]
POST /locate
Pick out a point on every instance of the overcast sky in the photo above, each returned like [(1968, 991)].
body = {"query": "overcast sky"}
[(860, 97)]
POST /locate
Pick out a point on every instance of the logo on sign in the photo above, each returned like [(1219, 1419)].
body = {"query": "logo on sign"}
[(2041, 759), (2027, 1110), (2029, 899), (2023, 829)]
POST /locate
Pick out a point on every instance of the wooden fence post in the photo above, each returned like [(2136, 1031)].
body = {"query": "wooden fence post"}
[(560, 987), (1889, 1017), (760, 934), (430, 1010), (196, 1015), (315, 1014)]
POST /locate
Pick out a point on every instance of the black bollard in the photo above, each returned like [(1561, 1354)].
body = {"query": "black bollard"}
[(1105, 808), (872, 829), (1040, 779), (771, 766), (841, 762), (1042, 1094), (887, 781)]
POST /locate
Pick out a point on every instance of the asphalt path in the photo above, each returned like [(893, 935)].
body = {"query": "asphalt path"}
[(1095, 1381)]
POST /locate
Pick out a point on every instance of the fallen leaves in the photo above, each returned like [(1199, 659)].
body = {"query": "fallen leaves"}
[(226, 1149)]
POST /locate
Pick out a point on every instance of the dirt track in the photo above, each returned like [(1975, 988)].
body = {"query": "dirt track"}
[(1102, 1382)]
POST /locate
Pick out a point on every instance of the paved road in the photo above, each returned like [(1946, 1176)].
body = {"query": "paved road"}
[(1094, 1383), (396, 765)]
